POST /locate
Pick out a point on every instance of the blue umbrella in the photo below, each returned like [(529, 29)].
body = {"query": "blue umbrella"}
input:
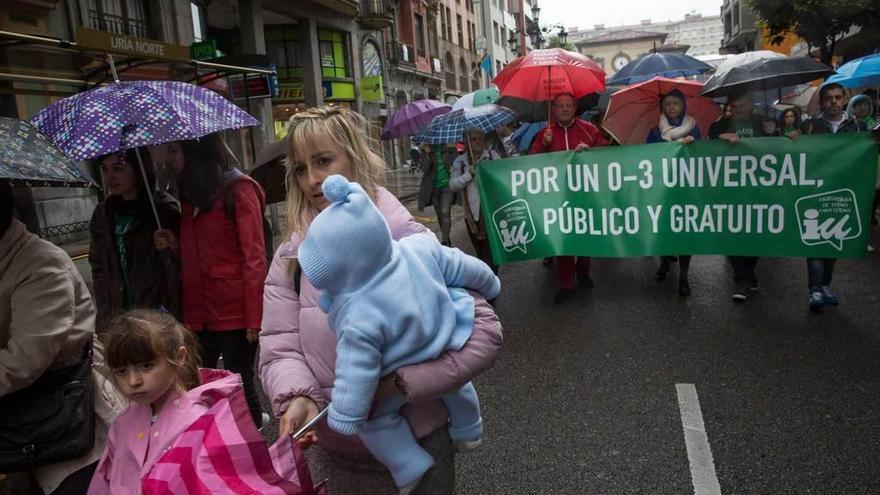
[(526, 133), (665, 64), (449, 128), (858, 73)]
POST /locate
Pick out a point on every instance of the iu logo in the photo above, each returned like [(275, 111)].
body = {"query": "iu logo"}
[(829, 218), (514, 225)]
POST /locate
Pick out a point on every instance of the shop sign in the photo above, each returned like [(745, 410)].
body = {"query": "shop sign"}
[(291, 90), (337, 90), (257, 86), (371, 89), (130, 45), (204, 50)]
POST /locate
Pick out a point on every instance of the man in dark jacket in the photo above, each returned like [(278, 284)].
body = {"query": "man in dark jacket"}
[(831, 120), (741, 123)]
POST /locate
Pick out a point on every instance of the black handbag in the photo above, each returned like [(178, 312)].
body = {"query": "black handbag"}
[(52, 420)]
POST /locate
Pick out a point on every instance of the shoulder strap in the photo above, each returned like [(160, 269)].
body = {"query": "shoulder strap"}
[(297, 278)]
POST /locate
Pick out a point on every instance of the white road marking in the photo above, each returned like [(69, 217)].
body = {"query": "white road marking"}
[(699, 454)]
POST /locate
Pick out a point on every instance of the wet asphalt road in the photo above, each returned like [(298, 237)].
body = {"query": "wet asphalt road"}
[(583, 399)]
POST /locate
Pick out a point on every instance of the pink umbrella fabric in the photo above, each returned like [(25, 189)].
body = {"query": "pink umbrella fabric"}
[(413, 117), (540, 75), (222, 452), (634, 110)]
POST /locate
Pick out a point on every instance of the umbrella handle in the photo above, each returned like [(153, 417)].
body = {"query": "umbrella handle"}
[(113, 71), (148, 187)]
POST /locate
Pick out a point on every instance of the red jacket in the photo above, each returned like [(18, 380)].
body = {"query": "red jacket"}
[(223, 261), (567, 138)]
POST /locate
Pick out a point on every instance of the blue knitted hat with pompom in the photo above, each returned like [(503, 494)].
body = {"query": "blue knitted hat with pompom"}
[(348, 242)]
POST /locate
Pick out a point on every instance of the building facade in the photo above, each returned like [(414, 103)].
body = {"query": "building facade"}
[(36, 69), (612, 50), (741, 33), (458, 32), (498, 25), (701, 34)]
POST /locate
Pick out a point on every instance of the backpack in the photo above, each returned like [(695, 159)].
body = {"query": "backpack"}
[(268, 233)]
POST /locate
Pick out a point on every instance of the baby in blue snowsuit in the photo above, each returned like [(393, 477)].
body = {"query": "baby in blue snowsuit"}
[(391, 303)]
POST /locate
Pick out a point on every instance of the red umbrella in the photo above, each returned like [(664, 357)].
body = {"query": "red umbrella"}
[(635, 110), (540, 75)]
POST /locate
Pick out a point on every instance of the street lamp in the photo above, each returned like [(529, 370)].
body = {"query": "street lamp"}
[(537, 32)]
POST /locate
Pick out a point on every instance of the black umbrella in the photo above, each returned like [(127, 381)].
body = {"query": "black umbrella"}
[(536, 111), (269, 170), (29, 158), (766, 74)]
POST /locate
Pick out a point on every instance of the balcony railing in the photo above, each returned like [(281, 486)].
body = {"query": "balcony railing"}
[(121, 25), (374, 14)]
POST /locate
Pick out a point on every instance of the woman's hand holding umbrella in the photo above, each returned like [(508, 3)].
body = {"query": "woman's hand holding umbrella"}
[(165, 239), (300, 411)]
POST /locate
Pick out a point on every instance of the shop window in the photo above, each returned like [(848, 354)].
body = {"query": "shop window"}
[(372, 61), (420, 35), (333, 50), (128, 17), (450, 72), (198, 21), (283, 49)]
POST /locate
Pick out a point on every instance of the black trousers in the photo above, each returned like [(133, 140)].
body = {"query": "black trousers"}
[(238, 357), (744, 270)]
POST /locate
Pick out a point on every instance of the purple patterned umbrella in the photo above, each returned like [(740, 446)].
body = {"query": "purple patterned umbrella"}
[(129, 114), (413, 117)]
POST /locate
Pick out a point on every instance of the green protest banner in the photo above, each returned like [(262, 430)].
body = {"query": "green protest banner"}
[(762, 197)]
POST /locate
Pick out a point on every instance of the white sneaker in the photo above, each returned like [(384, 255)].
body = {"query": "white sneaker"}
[(464, 446), (870, 248)]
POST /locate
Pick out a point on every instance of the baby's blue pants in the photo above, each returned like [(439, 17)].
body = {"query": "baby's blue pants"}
[(388, 437)]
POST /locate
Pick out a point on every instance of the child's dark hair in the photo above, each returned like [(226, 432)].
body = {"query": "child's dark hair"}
[(145, 335)]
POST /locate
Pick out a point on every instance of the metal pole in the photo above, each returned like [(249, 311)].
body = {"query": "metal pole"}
[(148, 187), (137, 152), (113, 68)]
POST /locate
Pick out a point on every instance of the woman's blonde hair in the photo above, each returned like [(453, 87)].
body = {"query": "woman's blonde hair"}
[(346, 129)]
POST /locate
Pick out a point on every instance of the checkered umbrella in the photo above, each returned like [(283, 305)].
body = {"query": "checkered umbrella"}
[(29, 158), (129, 114), (449, 128)]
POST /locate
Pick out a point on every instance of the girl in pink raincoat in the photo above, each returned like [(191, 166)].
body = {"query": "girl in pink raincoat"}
[(154, 363)]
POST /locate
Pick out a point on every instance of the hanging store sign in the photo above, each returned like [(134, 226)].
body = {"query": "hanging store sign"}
[(371, 89), (130, 45)]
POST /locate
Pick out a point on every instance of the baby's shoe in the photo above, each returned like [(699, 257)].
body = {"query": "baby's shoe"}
[(463, 446)]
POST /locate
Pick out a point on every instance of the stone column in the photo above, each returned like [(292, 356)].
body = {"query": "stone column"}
[(253, 41), (311, 62)]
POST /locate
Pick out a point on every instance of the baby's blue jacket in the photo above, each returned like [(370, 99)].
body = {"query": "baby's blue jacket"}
[(412, 310)]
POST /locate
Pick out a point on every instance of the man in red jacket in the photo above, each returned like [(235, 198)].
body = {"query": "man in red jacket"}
[(567, 132)]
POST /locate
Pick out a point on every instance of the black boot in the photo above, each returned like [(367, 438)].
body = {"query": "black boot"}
[(661, 272), (684, 288)]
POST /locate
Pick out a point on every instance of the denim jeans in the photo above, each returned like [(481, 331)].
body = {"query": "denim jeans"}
[(442, 201), (819, 272)]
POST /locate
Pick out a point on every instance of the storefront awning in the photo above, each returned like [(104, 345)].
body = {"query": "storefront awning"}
[(133, 53)]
